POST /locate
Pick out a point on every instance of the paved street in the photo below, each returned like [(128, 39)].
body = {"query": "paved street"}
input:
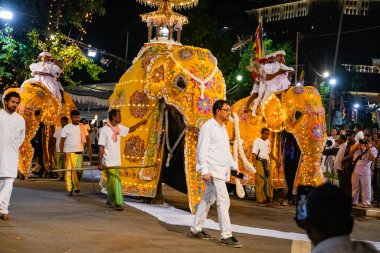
[(44, 219)]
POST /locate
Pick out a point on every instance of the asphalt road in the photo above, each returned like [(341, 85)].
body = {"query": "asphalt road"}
[(45, 219)]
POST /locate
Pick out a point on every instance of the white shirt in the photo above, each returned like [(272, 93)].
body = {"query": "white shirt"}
[(339, 156), (12, 135), (261, 148), (57, 136), (359, 136), (73, 142), (343, 244), (111, 155), (213, 151)]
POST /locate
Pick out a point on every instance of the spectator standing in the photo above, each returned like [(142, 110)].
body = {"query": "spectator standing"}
[(359, 134), (73, 138), (60, 160), (364, 155)]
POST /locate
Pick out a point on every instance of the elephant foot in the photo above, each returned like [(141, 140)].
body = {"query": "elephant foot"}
[(20, 176)]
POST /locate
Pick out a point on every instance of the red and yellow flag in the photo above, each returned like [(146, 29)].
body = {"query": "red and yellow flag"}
[(258, 42)]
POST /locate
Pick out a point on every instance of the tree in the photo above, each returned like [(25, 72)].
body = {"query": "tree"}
[(18, 52)]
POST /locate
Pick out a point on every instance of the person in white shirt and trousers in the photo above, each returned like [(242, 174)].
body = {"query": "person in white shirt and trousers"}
[(214, 161), (12, 135)]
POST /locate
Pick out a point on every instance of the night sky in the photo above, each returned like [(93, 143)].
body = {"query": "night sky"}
[(109, 33)]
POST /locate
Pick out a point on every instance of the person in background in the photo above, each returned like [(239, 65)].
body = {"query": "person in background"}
[(359, 134), (342, 145), (60, 160), (347, 166), (364, 155), (329, 222), (73, 138), (110, 157), (12, 135), (261, 155)]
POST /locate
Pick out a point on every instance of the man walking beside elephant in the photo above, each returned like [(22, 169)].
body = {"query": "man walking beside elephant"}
[(12, 134), (214, 161)]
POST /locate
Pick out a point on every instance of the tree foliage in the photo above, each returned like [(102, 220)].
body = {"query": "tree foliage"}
[(18, 51)]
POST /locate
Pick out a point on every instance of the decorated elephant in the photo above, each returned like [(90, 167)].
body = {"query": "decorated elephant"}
[(297, 111), (173, 87), (39, 108)]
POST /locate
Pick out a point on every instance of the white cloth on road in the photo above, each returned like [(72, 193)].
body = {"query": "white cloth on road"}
[(216, 190), (213, 151), (12, 135)]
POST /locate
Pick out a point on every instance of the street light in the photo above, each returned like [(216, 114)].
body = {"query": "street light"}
[(91, 53), (332, 81), (356, 105), (326, 74), (239, 77), (6, 14)]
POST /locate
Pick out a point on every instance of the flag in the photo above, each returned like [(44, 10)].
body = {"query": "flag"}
[(315, 84), (302, 76), (259, 42), (342, 109)]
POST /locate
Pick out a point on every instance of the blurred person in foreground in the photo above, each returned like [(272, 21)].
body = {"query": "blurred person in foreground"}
[(329, 222)]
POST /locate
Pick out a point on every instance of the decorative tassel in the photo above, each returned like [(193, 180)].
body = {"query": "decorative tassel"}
[(168, 160)]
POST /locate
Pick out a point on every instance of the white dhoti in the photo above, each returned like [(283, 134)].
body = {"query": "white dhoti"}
[(262, 89), (216, 190), (255, 88), (6, 187)]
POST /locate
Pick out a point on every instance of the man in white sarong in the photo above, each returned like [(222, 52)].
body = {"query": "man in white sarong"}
[(277, 76), (47, 72), (12, 134)]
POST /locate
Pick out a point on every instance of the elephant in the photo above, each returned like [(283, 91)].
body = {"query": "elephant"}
[(297, 111), (39, 108), (173, 87)]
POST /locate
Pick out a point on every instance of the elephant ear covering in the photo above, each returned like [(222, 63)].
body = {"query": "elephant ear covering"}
[(274, 113)]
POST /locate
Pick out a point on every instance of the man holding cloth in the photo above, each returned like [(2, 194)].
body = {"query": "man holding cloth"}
[(73, 137), (12, 134), (261, 153), (109, 155), (214, 161)]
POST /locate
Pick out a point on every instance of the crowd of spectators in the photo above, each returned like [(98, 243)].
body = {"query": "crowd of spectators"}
[(353, 158)]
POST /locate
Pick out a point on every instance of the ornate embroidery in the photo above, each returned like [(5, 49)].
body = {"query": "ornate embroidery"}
[(298, 90), (158, 74), (134, 149), (186, 54), (318, 132), (204, 105), (139, 104)]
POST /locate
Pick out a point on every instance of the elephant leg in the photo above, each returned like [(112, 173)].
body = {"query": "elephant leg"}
[(26, 156)]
